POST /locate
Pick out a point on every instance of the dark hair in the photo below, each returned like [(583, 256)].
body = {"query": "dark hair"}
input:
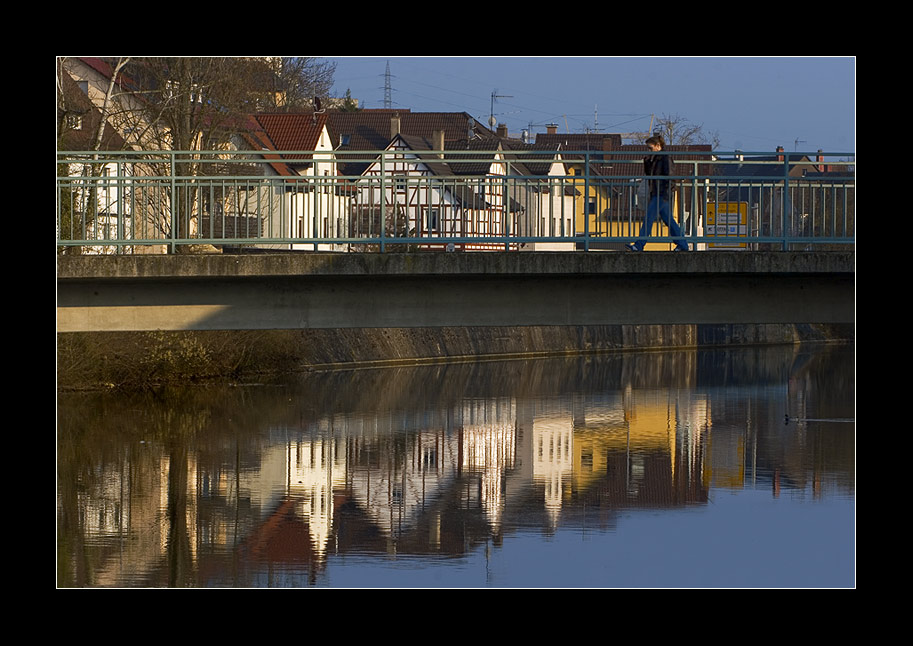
[(656, 139)]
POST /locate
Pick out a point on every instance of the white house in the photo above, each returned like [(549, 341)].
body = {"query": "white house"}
[(307, 201), (426, 191), (539, 184)]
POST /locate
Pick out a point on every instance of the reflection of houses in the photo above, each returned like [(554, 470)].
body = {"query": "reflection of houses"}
[(406, 480), (489, 445), (643, 449), (304, 473), (474, 441), (553, 439)]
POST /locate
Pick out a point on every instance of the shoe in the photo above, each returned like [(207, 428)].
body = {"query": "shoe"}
[(630, 247)]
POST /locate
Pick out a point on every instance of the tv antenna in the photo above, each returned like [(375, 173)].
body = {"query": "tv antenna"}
[(491, 117)]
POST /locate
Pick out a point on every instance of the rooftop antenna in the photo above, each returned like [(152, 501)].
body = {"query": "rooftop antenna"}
[(797, 142), (388, 92), (491, 117)]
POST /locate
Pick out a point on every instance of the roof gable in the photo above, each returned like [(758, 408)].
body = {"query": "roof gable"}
[(293, 131), (74, 103)]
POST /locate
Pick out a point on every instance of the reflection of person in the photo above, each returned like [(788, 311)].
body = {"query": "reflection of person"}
[(659, 204)]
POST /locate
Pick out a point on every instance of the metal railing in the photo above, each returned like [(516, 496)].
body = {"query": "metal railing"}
[(141, 202)]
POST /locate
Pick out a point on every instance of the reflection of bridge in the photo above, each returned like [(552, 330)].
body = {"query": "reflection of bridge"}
[(307, 290)]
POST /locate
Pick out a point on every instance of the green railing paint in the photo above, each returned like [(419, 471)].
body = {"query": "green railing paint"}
[(118, 202)]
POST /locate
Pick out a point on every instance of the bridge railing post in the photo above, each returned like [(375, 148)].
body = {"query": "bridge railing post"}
[(787, 219), (383, 202), (586, 201)]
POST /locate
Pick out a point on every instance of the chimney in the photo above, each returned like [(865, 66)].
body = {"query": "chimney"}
[(502, 130), (779, 150), (394, 125), (552, 128), (822, 167), (437, 141)]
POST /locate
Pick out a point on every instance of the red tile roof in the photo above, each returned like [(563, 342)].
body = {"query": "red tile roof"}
[(292, 131)]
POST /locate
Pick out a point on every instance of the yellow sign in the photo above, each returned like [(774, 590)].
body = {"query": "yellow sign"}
[(727, 220)]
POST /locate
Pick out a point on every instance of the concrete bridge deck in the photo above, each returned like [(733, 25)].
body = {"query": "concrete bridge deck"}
[(312, 290)]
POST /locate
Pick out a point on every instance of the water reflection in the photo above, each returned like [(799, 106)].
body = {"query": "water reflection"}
[(286, 484)]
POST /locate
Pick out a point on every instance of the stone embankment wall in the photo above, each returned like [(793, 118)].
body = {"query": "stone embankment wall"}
[(143, 359), (148, 359)]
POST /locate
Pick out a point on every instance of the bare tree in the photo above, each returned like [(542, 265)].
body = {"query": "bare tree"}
[(80, 198), (679, 131), (189, 105), (198, 103), (298, 80)]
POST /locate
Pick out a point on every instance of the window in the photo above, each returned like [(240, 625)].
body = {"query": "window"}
[(432, 219)]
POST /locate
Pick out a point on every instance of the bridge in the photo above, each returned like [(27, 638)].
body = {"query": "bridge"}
[(292, 291), (416, 238)]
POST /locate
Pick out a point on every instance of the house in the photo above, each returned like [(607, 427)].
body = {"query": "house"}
[(818, 197), (548, 200), (621, 171), (584, 154), (336, 192), (93, 198), (125, 108), (374, 129), (453, 180), (310, 201), (422, 192)]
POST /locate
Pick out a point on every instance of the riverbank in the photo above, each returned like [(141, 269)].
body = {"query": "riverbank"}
[(138, 360)]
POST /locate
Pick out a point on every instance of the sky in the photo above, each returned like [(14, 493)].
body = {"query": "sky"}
[(753, 104)]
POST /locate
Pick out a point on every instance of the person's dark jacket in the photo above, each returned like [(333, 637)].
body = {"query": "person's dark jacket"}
[(658, 165)]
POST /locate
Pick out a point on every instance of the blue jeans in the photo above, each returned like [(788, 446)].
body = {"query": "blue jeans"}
[(660, 206)]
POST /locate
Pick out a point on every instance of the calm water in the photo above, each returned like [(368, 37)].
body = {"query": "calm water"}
[(729, 468)]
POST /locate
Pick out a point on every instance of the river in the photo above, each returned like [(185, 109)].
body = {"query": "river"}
[(711, 468)]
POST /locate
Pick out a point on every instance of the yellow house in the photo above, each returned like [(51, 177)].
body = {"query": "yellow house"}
[(622, 171), (608, 176)]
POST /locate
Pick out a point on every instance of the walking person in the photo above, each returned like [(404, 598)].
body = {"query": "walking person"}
[(659, 203)]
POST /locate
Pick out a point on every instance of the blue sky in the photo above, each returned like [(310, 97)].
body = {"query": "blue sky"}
[(753, 103)]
